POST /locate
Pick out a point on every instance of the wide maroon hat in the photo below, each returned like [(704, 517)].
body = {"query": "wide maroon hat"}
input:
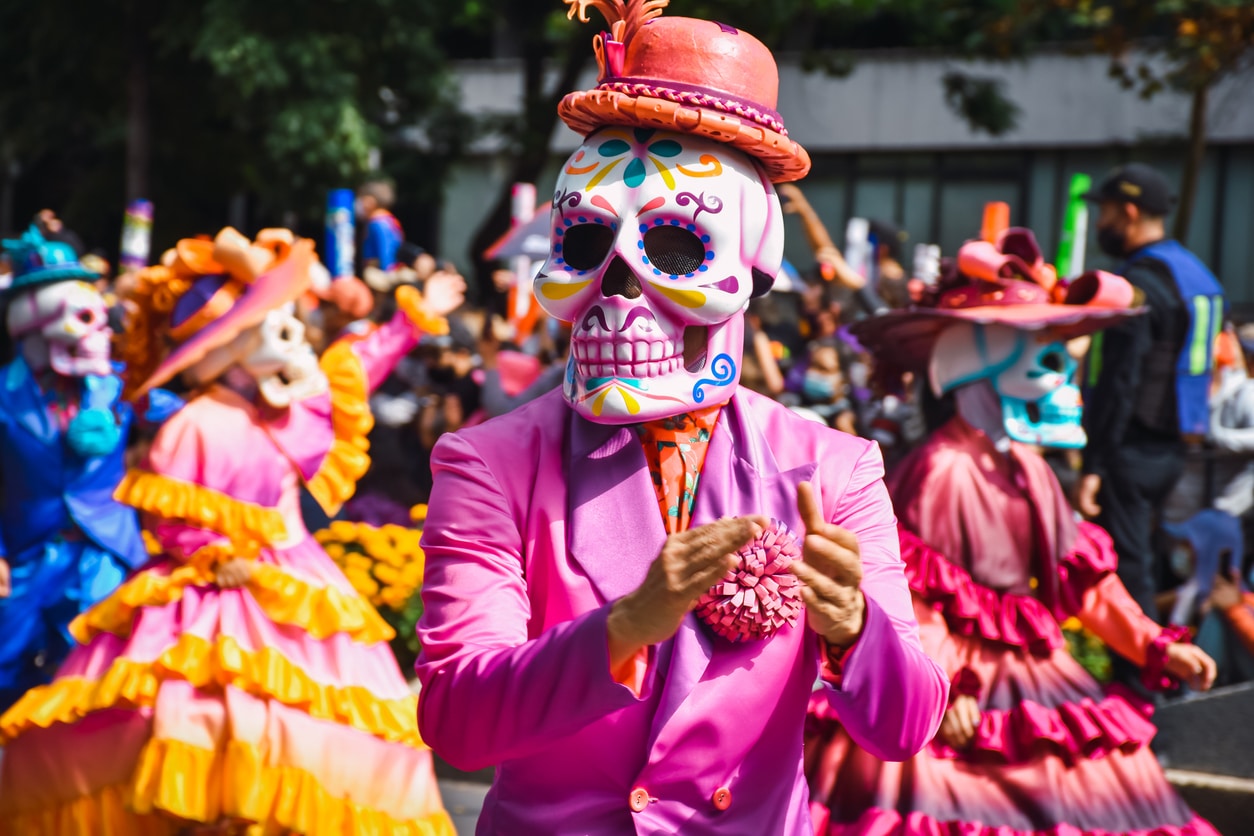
[(686, 75), (1001, 283)]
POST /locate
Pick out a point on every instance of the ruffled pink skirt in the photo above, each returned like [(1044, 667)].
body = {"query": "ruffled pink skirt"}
[(278, 704), (1054, 755)]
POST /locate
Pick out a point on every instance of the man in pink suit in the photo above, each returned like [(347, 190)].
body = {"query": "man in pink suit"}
[(613, 591)]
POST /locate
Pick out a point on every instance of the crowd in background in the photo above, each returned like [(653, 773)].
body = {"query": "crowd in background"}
[(798, 351)]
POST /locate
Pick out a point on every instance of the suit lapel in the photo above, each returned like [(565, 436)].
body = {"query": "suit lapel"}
[(615, 528), (740, 477)]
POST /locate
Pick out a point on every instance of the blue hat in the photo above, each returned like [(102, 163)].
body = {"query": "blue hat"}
[(37, 261)]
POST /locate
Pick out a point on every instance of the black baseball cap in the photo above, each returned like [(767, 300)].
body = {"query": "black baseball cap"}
[(1138, 184), (887, 232)]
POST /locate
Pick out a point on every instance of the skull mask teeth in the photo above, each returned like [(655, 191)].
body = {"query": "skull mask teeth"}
[(659, 242)]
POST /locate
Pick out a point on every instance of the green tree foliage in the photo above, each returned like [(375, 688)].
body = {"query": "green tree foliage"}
[(1156, 45), (214, 98)]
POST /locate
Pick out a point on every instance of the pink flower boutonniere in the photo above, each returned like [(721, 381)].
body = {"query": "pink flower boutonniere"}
[(758, 595)]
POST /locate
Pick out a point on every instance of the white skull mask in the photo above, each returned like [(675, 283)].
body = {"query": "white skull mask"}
[(1032, 374), (64, 326), (659, 241), (282, 362)]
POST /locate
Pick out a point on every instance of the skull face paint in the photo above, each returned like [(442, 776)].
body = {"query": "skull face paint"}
[(283, 363), (1032, 373), (65, 327), (659, 242)]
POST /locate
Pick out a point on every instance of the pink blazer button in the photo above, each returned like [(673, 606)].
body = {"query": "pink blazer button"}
[(722, 798), (639, 800)]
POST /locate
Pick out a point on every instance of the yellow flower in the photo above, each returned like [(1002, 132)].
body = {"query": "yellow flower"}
[(362, 582), (392, 557), (412, 573), (418, 513), (343, 530), (394, 597), (386, 574), (1072, 625), (360, 562), (335, 551)]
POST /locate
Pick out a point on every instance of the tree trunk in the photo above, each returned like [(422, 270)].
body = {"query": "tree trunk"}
[(138, 123), (539, 118), (1193, 162)]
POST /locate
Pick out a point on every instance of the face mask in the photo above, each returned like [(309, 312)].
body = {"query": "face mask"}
[(1182, 561), (1112, 242), (819, 387)]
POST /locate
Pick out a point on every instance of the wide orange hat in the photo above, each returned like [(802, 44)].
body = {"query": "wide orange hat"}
[(681, 74), (203, 295)]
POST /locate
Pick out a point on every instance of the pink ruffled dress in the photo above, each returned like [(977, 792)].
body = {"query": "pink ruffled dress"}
[(278, 704), (996, 561)]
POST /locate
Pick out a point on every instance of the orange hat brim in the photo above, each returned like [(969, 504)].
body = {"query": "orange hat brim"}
[(905, 339)]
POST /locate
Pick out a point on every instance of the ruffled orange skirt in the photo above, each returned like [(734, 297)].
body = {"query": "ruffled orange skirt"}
[(278, 706)]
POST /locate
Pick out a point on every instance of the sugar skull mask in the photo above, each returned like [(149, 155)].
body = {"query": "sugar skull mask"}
[(1032, 373), (66, 325), (659, 242)]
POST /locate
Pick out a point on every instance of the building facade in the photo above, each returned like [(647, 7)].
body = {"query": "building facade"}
[(885, 145)]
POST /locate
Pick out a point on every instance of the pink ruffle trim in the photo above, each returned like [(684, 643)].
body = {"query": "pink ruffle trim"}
[(1071, 731), (1154, 675), (1084, 729), (1091, 559), (1019, 620), (890, 823)]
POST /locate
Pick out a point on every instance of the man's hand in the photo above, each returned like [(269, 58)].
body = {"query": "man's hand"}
[(830, 571), (444, 292), (1086, 497), (233, 573), (1225, 593), (961, 720), (6, 585), (690, 563), (1190, 664)]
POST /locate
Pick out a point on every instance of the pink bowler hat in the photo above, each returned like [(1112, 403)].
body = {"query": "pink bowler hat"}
[(1007, 283), (682, 74)]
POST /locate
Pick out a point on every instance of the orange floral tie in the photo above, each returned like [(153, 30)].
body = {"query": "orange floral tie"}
[(675, 451)]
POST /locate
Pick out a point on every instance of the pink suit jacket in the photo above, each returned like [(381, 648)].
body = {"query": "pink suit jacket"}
[(538, 521)]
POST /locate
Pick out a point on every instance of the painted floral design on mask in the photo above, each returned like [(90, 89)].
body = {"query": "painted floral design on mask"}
[(655, 279)]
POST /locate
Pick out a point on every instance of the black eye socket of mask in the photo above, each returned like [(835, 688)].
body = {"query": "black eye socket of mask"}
[(674, 250), (585, 246)]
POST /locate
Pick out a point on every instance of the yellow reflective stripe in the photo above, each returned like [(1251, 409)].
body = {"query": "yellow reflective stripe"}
[(1095, 358), (1216, 326), (1199, 350)]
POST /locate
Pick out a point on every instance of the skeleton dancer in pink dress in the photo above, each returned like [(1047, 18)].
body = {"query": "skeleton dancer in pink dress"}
[(238, 681), (1030, 745)]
